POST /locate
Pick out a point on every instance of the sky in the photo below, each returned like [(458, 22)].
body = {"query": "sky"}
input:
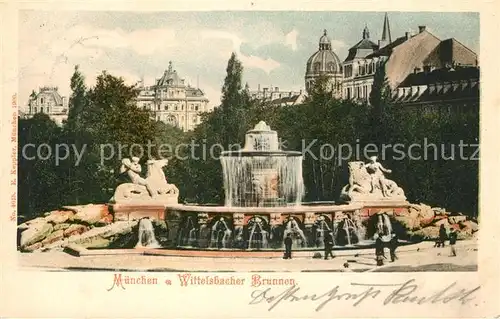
[(273, 46)]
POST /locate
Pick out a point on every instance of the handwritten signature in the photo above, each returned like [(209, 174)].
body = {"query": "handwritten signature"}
[(406, 292)]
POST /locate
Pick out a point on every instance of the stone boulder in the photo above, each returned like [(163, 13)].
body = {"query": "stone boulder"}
[(75, 229), (90, 214), (97, 237), (422, 214), (408, 222), (443, 221), (456, 219), (35, 233), (33, 248), (62, 226), (427, 233), (27, 224), (469, 224), (59, 216), (92, 242), (438, 211), (55, 236)]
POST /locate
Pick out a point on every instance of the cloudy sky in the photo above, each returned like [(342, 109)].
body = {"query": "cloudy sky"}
[(273, 46)]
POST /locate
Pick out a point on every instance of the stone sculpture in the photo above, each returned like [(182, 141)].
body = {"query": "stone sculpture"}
[(367, 182), (153, 188)]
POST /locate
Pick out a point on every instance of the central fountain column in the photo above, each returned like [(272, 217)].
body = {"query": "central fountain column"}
[(261, 174)]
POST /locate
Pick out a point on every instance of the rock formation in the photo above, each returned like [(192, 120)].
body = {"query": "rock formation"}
[(89, 226), (423, 222)]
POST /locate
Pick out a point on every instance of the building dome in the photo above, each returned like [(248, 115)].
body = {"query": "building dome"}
[(323, 61), (325, 40)]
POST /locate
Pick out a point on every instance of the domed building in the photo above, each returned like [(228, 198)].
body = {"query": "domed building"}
[(325, 62)]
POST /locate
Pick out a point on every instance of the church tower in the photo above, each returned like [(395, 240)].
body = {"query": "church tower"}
[(386, 33)]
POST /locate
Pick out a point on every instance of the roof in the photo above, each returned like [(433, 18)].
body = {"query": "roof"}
[(451, 51), (441, 85), (50, 92), (450, 93), (194, 92), (287, 99), (170, 78), (441, 75), (387, 50), (361, 49), (408, 55), (328, 62)]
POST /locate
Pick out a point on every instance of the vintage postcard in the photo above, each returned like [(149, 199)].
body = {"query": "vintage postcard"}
[(248, 159)]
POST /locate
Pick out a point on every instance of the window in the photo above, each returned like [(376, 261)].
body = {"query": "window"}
[(196, 107), (176, 107), (41, 101), (172, 120), (35, 109), (194, 119), (158, 108), (166, 107), (331, 67), (317, 65), (41, 109)]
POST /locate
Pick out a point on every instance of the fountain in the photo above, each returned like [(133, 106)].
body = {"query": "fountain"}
[(221, 234), (322, 228), (263, 204), (263, 191), (147, 237), (258, 236), (261, 174)]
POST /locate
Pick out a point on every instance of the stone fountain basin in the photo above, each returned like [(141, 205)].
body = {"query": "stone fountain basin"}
[(244, 153), (316, 208)]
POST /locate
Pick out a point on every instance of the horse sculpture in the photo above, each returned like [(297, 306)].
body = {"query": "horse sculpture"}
[(362, 187), (152, 188)]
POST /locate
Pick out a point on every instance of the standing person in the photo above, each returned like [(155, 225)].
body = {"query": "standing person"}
[(453, 241), (328, 241), (393, 245), (442, 236), (288, 246), (379, 249)]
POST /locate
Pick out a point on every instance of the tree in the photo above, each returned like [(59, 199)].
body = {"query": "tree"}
[(77, 102), (225, 126), (39, 184)]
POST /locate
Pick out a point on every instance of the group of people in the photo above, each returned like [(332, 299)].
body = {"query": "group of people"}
[(380, 245), (327, 241), (452, 237)]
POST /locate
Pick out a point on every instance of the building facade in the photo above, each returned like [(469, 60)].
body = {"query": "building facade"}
[(419, 53), (275, 96), (48, 101), (173, 101)]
